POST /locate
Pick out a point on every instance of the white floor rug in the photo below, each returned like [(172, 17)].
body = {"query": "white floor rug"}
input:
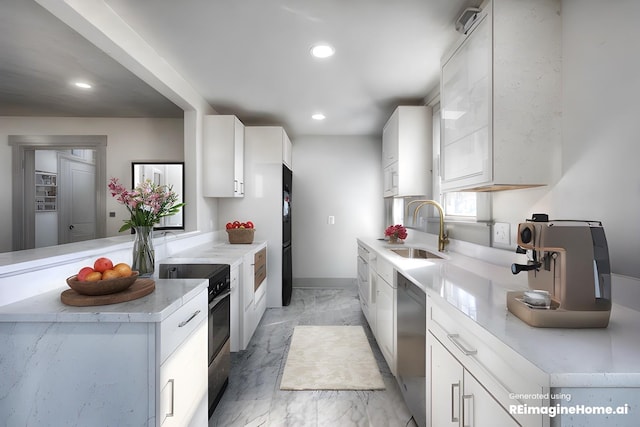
[(330, 358)]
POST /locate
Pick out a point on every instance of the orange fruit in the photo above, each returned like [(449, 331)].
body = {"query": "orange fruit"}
[(110, 274), (93, 277), (123, 269)]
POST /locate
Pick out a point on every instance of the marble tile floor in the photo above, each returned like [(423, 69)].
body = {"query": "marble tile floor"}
[(253, 397)]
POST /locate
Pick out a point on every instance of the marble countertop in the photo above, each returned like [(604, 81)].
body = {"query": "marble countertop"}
[(219, 253), (168, 296), (571, 357)]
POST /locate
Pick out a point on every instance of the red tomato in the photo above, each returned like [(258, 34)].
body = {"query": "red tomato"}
[(229, 225), (249, 224), (236, 224)]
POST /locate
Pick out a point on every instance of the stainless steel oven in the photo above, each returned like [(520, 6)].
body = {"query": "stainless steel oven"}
[(219, 333), (219, 319)]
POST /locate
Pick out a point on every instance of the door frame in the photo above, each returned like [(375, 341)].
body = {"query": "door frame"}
[(23, 148)]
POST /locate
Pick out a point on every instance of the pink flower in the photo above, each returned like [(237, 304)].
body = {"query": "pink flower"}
[(147, 203)]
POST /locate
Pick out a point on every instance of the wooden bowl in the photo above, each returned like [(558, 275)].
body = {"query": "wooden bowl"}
[(102, 287)]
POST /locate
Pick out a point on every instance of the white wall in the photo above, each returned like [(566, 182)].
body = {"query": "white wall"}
[(127, 140), (601, 127), (339, 176)]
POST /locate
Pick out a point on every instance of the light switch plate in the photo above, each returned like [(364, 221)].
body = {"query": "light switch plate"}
[(501, 233)]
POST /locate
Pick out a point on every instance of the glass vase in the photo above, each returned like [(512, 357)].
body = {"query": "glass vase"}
[(143, 254)]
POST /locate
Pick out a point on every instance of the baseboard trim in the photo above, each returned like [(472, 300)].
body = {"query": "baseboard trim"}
[(324, 282)]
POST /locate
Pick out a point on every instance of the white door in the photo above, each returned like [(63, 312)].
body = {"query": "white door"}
[(77, 216), (446, 386)]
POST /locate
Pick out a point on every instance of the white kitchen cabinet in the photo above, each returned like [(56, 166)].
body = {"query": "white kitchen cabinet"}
[(223, 156), (457, 398), (363, 282), (180, 385), (500, 99), (385, 304), (254, 294), (460, 354), (287, 150), (235, 312), (407, 146), (367, 284)]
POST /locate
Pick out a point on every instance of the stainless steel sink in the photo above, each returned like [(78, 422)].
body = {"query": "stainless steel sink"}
[(415, 253)]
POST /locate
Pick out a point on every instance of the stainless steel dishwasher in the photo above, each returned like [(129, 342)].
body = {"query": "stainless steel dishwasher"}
[(411, 335)]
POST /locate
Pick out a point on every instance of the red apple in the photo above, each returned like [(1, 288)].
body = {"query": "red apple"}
[(102, 264), (84, 272)]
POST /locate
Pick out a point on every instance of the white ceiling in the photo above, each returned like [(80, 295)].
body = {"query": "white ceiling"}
[(40, 57), (245, 57)]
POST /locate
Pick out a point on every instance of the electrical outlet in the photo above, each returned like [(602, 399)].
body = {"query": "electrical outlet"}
[(331, 220), (502, 233)]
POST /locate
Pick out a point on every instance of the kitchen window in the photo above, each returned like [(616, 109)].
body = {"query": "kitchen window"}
[(460, 204)]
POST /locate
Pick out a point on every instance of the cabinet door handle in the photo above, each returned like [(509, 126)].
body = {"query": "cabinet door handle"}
[(454, 398), (171, 382), (467, 414), (184, 322), (454, 339)]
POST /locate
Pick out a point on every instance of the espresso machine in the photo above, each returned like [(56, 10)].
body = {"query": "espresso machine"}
[(568, 271)]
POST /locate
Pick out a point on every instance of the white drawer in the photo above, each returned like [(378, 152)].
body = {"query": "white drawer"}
[(179, 325), (385, 270), (503, 372)]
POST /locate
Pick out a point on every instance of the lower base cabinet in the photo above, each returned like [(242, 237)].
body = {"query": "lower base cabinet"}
[(236, 310), (254, 300), (457, 398), (181, 386)]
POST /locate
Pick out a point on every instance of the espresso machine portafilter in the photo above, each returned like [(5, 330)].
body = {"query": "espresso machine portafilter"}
[(568, 274)]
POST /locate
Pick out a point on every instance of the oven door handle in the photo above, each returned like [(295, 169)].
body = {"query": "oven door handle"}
[(219, 298)]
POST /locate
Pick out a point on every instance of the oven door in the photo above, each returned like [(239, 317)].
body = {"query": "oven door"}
[(219, 327)]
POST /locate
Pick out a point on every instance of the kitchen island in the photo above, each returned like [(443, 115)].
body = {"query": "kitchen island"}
[(521, 369), (142, 362)]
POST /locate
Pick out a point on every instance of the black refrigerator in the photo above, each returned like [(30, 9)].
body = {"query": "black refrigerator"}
[(287, 268)]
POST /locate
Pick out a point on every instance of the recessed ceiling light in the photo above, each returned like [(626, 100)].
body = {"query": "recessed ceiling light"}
[(322, 50), (83, 85), (318, 116)]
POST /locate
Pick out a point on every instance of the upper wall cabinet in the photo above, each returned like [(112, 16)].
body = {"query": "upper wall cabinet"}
[(501, 99), (287, 149), (223, 157), (407, 144)]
